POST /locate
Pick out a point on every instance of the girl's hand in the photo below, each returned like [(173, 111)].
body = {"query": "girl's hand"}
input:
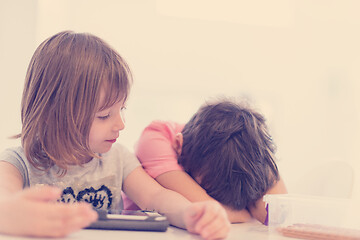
[(208, 219), (35, 212)]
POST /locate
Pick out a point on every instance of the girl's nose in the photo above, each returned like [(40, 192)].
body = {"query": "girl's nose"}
[(119, 122)]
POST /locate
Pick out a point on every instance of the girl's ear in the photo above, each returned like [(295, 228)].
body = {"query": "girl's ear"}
[(178, 142)]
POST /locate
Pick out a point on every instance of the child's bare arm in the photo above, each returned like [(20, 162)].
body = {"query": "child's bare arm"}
[(258, 211), (34, 211), (10, 179), (181, 182), (206, 218)]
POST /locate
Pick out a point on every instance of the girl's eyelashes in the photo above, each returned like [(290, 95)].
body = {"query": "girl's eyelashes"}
[(104, 117)]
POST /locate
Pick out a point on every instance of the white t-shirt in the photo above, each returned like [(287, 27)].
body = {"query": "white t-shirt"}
[(98, 182)]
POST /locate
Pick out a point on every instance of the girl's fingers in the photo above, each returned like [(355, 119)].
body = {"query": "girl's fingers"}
[(77, 214), (216, 229), (37, 213), (209, 212), (192, 215), (209, 220), (59, 219), (41, 193)]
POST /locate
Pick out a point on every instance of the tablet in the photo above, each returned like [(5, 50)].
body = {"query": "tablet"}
[(131, 220)]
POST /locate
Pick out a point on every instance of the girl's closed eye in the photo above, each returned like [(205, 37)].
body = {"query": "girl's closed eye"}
[(103, 117)]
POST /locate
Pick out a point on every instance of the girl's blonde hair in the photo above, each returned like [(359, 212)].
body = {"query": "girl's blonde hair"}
[(61, 96)]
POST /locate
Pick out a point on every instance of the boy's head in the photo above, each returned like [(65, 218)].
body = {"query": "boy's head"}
[(62, 90), (227, 148)]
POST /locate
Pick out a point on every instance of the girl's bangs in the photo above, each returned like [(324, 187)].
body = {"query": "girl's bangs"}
[(116, 86)]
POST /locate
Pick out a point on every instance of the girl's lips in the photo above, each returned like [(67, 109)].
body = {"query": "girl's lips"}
[(111, 141)]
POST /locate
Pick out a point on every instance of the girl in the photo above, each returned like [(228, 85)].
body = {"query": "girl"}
[(75, 91)]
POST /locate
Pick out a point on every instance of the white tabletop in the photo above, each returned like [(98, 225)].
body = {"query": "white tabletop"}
[(251, 230)]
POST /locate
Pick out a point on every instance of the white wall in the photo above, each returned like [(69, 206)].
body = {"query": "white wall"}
[(17, 43), (297, 60)]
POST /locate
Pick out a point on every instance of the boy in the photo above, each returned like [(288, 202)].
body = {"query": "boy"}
[(224, 152)]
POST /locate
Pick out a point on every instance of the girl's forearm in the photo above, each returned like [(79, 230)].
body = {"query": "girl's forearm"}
[(171, 204)]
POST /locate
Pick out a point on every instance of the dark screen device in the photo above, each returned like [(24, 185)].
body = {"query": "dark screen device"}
[(130, 220)]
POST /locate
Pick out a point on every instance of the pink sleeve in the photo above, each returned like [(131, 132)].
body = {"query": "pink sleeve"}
[(154, 148)]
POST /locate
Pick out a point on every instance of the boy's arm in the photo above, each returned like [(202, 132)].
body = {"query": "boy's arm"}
[(206, 218), (34, 212), (181, 182), (259, 211)]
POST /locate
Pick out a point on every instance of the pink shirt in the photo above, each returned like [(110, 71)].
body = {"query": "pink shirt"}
[(155, 151)]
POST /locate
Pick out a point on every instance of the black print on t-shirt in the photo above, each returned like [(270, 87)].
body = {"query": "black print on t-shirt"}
[(68, 195), (99, 198)]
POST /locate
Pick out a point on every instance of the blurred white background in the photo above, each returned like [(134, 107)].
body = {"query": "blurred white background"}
[(297, 61)]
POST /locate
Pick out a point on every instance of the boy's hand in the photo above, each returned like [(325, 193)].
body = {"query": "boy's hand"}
[(34, 212), (207, 219)]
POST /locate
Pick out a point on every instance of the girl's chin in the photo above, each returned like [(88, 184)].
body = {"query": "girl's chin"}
[(103, 149)]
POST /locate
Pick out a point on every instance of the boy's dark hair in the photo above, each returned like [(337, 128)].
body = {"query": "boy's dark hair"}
[(226, 145)]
